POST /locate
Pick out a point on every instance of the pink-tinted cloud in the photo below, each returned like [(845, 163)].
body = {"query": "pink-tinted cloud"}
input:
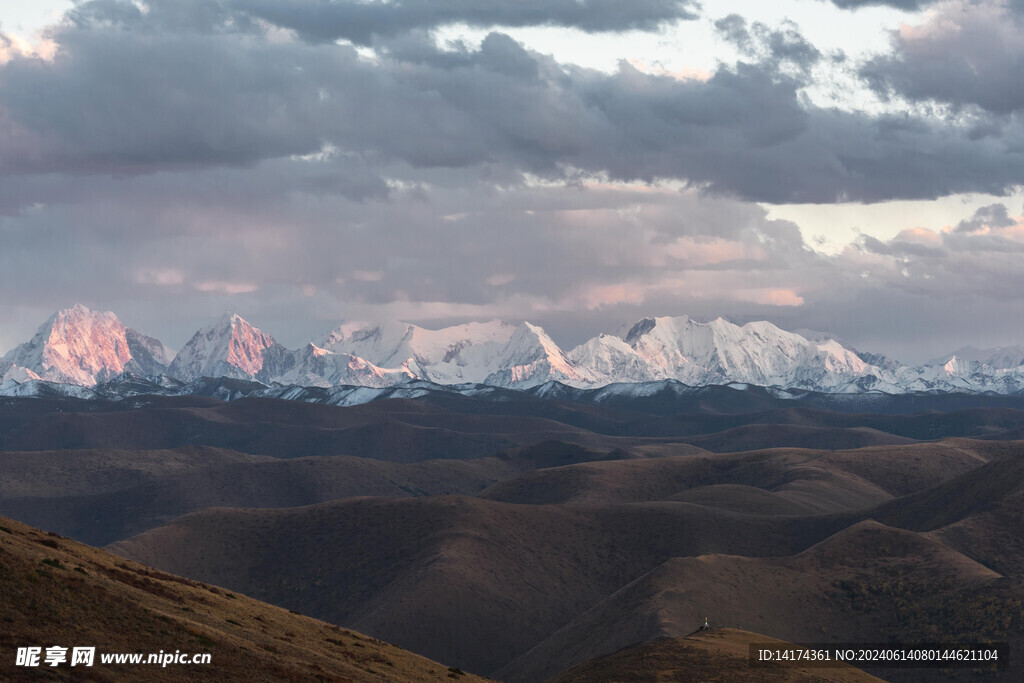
[(711, 250), (770, 297)]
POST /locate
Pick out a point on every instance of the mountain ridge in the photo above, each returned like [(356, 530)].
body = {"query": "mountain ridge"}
[(84, 348)]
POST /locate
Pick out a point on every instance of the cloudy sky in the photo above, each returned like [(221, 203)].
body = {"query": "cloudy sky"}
[(850, 166)]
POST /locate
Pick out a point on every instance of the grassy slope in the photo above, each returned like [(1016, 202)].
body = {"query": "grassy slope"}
[(55, 591), (718, 656), (808, 597)]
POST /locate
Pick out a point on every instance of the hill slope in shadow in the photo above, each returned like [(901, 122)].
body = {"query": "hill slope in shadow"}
[(492, 578), (59, 592), (800, 598), (716, 655)]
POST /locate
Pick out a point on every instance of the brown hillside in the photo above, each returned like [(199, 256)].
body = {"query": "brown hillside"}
[(758, 436), (56, 591), (101, 496), (800, 481), (717, 656), (493, 578), (396, 430), (809, 597)]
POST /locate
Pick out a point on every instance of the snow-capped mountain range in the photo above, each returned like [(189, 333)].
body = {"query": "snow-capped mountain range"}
[(77, 346), (83, 347)]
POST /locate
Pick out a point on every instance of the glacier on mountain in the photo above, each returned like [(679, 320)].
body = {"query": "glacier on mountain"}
[(84, 347), (79, 347), (461, 353)]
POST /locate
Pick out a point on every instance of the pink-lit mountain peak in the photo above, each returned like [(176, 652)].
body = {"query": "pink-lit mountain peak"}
[(94, 339), (246, 345), (230, 347), (84, 347), (76, 345), (80, 346)]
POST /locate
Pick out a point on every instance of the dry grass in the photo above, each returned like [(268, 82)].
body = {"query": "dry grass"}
[(714, 656), (55, 591)]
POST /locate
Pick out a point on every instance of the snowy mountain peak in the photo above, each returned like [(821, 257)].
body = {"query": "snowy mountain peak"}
[(957, 367), (319, 367), (533, 341), (232, 320), (1001, 358), (11, 373), (140, 345), (365, 339), (461, 353), (229, 347), (84, 347), (79, 346), (719, 352), (531, 358), (641, 328)]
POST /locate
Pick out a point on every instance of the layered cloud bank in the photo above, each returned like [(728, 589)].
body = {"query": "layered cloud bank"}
[(312, 161)]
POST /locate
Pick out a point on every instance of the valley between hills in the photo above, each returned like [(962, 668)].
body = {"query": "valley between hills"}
[(521, 539)]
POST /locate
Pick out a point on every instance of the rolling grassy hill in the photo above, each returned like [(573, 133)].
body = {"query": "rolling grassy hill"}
[(59, 592), (522, 539), (717, 655)]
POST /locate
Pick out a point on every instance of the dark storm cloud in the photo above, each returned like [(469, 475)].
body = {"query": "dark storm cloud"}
[(120, 100), (771, 47), (921, 293), (365, 22), (994, 215), (168, 251), (361, 22), (450, 247), (173, 163), (981, 261), (898, 247), (747, 132), (917, 5), (964, 54)]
